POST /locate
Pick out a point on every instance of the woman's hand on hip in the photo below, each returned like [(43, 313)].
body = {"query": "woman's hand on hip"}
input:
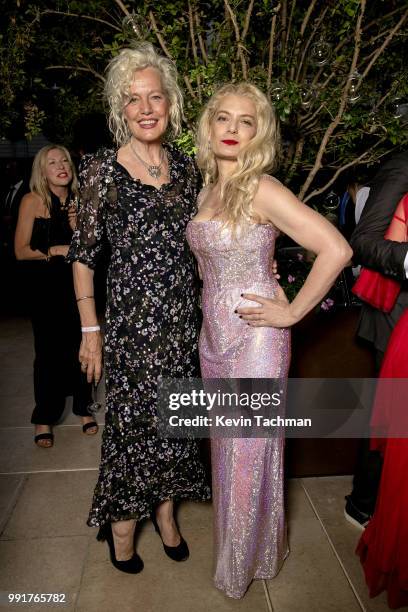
[(90, 356), (271, 312)]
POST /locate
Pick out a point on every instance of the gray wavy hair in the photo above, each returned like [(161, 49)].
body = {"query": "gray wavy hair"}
[(120, 74)]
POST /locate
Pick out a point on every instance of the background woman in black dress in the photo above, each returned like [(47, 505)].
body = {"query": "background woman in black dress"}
[(44, 230), (140, 197)]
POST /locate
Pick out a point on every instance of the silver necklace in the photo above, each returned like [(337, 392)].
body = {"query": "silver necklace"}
[(154, 170)]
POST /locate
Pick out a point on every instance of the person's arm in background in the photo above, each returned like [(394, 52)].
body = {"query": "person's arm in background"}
[(367, 241)]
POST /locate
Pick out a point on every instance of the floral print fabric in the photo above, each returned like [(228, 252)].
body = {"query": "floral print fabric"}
[(152, 323)]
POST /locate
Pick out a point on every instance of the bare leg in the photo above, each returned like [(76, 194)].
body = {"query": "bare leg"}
[(123, 538), (166, 523)]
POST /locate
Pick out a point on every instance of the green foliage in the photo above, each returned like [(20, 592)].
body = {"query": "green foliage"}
[(53, 56), (33, 120)]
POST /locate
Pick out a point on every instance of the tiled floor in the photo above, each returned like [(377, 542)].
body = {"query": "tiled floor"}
[(46, 547)]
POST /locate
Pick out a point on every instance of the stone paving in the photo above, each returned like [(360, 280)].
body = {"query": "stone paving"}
[(46, 547)]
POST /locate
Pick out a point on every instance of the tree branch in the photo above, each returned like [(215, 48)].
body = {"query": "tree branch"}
[(374, 38), (354, 162), (283, 31), (66, 14), (333, 125), (308, 43), (296, 158), (167, 52), (194, 47), (308, 121), (348, 39), (80, 68), (158, 35), (271, 48), (129, 16), (384, 45), (383, 99), (247, 20), (113, 18), (189, 87), (367, 27), (292, 8), (302, 32), (200, 38), (240, 47)]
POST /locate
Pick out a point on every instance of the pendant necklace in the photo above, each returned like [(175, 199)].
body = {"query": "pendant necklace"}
[(154, 170)]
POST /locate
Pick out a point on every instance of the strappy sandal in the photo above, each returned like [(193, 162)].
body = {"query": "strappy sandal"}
[(87, 426), (44, 436)]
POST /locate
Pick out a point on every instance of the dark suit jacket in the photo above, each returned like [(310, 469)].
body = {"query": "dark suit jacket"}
[(372, 251), (8, 219)]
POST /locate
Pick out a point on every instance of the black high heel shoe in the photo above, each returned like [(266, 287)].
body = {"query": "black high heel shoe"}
[(134, 565), (176, 553)]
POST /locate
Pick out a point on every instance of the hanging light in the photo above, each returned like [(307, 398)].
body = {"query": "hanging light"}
[(373, 122), (320, 52), (399, 108), (132, 22), (306, 96), (354, 86), (331, 201), (277, 91)]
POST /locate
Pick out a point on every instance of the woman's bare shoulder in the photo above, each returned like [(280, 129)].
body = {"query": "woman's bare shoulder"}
[(31, 202), (270, 178), (270, 186), (274, 200)]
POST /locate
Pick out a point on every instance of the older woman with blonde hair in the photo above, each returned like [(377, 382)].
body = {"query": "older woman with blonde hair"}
[(44, 230), (246, 316), (138, 198)]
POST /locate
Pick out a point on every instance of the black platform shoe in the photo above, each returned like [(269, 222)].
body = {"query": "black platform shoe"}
[(134, 565), (176, 553)]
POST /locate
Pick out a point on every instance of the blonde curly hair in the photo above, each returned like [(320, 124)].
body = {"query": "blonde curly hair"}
[(258, 157), (120, 74)]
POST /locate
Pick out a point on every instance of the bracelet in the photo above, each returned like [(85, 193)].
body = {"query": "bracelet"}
[(85, 297), (93, 328)]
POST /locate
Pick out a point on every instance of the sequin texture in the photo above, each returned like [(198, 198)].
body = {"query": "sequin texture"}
[(152, 321), (247, 474)]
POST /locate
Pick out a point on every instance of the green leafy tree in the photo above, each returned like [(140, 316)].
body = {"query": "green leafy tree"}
[(335, 69)]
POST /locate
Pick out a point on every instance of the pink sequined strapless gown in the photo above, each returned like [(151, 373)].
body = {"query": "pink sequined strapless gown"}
[(247, 474)]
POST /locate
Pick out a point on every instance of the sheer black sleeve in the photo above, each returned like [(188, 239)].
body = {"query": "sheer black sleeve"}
[(89, 237)]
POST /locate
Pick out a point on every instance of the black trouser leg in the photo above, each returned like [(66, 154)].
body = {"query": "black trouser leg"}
[(57, 337), (82, 393), (368, 471), (366, 478), (49, 396)]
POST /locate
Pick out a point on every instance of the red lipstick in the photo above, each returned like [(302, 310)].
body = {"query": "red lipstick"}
[(230, 142)]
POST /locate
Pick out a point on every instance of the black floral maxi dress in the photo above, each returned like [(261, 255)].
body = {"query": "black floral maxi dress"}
[(152, 323)]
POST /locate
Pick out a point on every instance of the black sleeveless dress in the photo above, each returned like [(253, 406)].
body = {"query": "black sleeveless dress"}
[(55, 321)]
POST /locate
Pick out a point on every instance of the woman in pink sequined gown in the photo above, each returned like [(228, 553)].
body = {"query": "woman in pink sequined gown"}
[(233, 237)]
